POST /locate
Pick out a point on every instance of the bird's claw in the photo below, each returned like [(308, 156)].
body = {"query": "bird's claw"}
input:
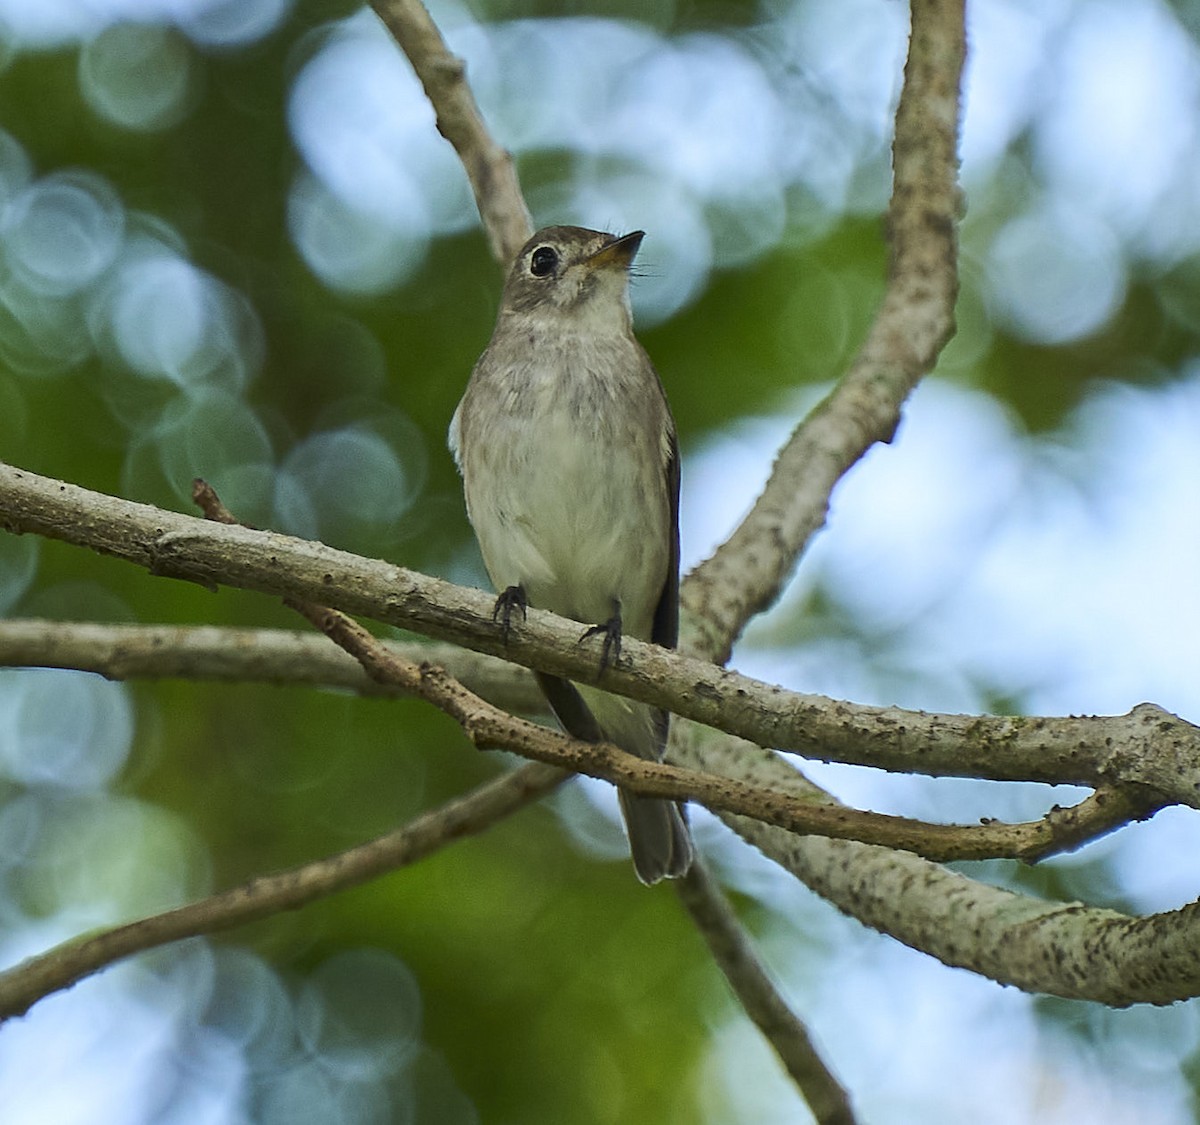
[(512, 598), (610, 648)]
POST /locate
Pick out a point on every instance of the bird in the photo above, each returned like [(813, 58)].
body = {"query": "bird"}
[(570, 465)]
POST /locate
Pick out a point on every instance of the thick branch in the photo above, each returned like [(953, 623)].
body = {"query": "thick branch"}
[(1147, 749), (747, 572), (488, 166), (1063, 949)]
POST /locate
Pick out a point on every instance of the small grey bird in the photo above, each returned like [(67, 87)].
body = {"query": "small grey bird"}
[(570, 467)]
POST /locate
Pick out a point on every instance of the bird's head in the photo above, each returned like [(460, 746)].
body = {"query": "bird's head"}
[(575, 273)]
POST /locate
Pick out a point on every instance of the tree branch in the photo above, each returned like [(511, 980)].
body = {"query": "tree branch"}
[(488, 166), (1147, 749), (747, 572), (783, 1029), (26, 983), (1062, 949), (488, 725), (233, 655)]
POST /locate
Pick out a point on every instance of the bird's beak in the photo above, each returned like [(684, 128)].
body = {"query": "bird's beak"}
[(620, 252)]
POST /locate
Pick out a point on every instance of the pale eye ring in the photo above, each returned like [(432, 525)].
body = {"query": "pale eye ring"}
[(543, 260)]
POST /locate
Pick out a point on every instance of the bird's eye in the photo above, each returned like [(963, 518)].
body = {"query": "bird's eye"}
[(543, 260)]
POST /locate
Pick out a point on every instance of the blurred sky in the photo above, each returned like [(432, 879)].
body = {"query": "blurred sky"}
[(985, 562)]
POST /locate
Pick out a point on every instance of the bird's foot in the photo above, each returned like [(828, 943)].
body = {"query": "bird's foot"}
[(512, 598), (610, 630)]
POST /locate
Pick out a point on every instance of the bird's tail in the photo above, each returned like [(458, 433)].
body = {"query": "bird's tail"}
[(658, 834), (659, 840)]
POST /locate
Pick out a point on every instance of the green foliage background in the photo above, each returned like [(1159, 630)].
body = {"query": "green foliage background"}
[(553, 987)]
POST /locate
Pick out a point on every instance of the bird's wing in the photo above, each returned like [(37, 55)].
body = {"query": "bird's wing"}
[(665, 631)]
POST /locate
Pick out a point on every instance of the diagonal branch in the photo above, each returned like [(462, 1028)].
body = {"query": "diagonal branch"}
[(733, 952), (1148, 748), (491, 727), (747, 572), (488, 166), (26, 983), (1062, 949)]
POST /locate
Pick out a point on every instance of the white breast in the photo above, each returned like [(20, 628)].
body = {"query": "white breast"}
[(566, 488)]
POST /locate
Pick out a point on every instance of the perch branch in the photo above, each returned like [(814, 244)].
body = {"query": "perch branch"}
[(1147, 749)]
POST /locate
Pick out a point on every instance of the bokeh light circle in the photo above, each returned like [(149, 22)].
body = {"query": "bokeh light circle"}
[(62, 232), (137, 76)]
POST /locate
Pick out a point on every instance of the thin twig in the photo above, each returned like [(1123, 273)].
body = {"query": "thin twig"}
[(26, 983), (241, 655), (783, 1029), (490, 727)]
